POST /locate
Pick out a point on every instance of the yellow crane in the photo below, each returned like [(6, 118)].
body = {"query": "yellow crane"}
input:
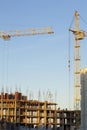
[(78, 35), (6, 35)]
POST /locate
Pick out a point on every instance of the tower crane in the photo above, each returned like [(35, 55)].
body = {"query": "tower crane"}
[(78, 35), (6, 35)]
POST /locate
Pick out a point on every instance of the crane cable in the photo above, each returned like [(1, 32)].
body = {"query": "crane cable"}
[(83, 19), (5, 64), (69, 62), (7, 48), (69, 67)]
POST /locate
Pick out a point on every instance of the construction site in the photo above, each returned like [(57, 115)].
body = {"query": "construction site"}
[(17, 110)]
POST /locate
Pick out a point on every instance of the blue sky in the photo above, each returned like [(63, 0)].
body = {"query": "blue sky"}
[(40, 62)]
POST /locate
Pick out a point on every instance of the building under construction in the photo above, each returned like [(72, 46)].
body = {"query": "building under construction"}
[(16, 108)]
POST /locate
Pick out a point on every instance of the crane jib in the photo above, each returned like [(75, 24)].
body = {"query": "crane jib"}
[(6, 35)]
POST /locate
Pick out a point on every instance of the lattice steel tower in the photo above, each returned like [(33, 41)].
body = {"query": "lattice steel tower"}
[(78, 35)]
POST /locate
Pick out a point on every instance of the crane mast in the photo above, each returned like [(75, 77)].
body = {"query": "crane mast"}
[(77, 66), (78, 35), (6, 35)]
